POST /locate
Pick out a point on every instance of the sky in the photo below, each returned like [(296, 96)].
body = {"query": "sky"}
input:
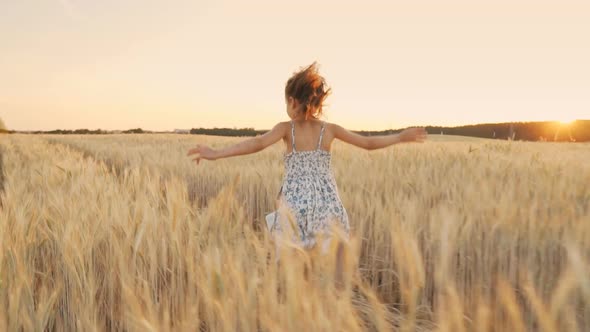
[(162, 65)]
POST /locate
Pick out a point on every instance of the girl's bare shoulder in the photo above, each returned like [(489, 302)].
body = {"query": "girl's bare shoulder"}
[(282, 126), (332, 127)]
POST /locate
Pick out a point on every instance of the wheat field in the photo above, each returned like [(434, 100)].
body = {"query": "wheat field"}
[(124, 233)]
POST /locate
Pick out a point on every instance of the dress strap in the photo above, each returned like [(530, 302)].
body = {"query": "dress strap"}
[(292, 135), (321, 135)]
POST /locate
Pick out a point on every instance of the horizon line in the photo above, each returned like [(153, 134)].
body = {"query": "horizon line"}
[(356, 130)]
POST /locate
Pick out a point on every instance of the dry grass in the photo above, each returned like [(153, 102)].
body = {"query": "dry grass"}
[(124, 233)]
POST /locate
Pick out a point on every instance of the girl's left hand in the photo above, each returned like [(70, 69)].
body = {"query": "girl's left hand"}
[(413, 135), (202, 152)]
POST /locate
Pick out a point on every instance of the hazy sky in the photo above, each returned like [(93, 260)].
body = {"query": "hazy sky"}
[(119, 64)]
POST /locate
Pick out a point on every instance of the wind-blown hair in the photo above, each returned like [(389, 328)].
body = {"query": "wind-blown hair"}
[(309, 88)]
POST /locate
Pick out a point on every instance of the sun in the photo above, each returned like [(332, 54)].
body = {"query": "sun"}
[(566, 122)]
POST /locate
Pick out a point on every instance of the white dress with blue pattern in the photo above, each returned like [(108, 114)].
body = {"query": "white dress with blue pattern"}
[(310, 192)]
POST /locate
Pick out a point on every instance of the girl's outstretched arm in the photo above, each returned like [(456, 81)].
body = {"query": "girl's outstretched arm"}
[(379, 142), (251, 145)]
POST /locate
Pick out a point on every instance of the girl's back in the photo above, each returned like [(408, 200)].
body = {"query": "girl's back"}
[(308, 134)]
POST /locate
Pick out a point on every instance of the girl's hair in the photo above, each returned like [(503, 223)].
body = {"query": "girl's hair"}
[(309, 89)]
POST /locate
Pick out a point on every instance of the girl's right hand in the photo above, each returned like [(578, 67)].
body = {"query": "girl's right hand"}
[(413, 135), (202, 152)]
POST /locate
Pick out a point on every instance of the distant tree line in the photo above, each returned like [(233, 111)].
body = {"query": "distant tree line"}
[(578, 131), (227, 131), (88, 132), (134, 131), (73, 132)]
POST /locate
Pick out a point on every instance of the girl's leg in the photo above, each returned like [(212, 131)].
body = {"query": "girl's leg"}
[(339, 259), (339, 271)]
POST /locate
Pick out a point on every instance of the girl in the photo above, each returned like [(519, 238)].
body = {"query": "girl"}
[(309, 189)]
